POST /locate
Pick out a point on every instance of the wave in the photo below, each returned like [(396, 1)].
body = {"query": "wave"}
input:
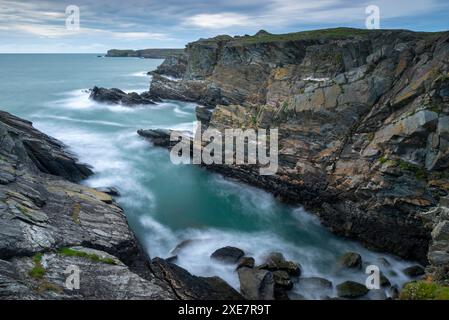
[(140, 74), (100, 122)]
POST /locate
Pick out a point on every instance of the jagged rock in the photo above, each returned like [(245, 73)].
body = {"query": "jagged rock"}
[(350, 260), (314, 283), (384, 281), (189, 287), (32, 148), (282, 279), (276, 261), (230, 255), (414, 271), (256, 284), (117, 96), (351, 289)]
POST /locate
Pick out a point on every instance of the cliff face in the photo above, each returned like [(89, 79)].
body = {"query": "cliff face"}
[(363, 119), (48, 223)]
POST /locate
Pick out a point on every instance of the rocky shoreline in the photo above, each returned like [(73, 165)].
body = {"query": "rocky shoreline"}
[(363, 118)]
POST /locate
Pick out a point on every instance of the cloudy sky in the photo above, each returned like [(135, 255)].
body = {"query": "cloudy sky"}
[(40, 25)]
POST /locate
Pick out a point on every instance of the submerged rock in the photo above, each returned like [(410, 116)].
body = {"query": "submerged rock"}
[(351, 289), (230, 255), (117, 96), (282, 279)]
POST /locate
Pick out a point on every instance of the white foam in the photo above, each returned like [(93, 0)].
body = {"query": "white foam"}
[(140, 74), (100, 122)]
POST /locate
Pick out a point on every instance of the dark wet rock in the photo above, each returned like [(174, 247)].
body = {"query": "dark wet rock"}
[(414, 271), (282, 279), (384, 281), (393, 292), (203, 114), (160, 137), (183, 245), (112, 191), (248, 262), (189, 287), (276, 261), (314, 283), (230, 255), (256, 284), (117, 96), (351, 289), (173, 66), (350, 260)]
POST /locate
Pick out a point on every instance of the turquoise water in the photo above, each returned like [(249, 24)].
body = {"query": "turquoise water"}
[(165, 204)]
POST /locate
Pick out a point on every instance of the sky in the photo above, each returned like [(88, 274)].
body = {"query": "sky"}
[(40, 26)]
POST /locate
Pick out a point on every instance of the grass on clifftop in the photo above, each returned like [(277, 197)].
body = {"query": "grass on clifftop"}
[(334, 33), (423, 290), (92, 256), (38, 270)]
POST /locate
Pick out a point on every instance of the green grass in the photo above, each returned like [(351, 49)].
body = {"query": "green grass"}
[(335, 33), (94, 257), (383, 159), (420, 173), (38, 270), (76, 213), (422, 290)]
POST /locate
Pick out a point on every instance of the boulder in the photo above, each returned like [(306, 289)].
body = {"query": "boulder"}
[(282, 279), (117, 96), (350, 260), (228, 255), (351, 290), (276, 261), (256, 284), (414, 271), (190, 287), (246, 262)]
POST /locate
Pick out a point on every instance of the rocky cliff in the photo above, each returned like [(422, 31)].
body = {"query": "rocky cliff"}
[(363, 119), (48, 222)]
